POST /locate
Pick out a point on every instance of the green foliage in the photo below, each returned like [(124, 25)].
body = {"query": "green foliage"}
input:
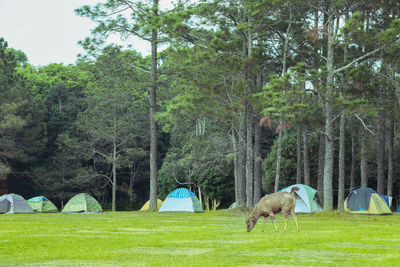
[(112, 125), (17, 110), (284, 99), (19, 56), (198, 161), (288, 163)]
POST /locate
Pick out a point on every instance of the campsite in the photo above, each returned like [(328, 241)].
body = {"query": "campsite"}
[(199, 133), (196, 239)]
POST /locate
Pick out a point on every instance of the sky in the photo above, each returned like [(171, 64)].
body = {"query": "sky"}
[(48, 31)]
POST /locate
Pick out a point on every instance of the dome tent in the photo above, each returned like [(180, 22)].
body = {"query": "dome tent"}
[(82, 203), (233, 206), (181, 200), (366, 201), (146, 205), (42, 204), (13, 203), (306, 198)]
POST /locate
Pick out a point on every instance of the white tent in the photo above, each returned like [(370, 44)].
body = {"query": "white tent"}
[(181, 200), (306, 198), (12, 203)]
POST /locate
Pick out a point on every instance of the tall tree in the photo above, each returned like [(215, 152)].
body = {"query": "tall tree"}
[(108, 122), (12, 102), (21, 128), (144, 21), (298, 156)]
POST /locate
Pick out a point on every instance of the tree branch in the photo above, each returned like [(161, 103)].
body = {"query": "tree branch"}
[(137, 67), (357, 60), (365, 126)]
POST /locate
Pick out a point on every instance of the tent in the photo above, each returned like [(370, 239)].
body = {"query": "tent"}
[(366, 201), (306, 198), (42, 204), (181, 200), (233, 206), (82, 203), (388, 199), (147, 205), (13, 203)]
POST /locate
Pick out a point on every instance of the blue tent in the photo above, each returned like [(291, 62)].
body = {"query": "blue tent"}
[(181, 200)]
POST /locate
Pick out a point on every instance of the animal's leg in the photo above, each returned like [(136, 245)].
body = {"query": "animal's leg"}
[(295, 219), (287, 220), (273, 221), (265, 222)]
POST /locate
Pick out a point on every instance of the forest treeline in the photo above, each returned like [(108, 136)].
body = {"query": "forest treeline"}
[(245, 98)]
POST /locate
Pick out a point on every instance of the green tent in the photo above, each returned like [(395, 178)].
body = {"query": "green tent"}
[(82, 203), (42, 204), (306, 198)]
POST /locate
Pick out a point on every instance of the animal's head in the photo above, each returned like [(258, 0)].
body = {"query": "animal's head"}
[(250, 222)]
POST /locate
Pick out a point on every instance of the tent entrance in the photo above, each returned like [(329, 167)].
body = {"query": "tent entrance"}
[(5, 206)]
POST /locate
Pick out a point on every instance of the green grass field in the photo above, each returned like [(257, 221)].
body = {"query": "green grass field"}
[(205, 239)]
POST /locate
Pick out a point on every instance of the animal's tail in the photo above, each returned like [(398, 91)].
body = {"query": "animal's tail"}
[(294, 188)]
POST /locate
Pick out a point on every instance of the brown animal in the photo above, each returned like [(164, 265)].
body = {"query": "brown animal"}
[(269, 205)]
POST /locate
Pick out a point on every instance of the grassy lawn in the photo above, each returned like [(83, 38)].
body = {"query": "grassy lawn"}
[(206, 239)]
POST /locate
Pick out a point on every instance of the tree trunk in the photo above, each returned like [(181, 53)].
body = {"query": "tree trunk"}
[(114, 174), (249, 159), (354, 135), (206, 202), (364, 160), (306, 157), (342, 163), (284, 70), (321, 160), (200, 196), (215, 204), (298, 156), (257, 162), (329, 134), (235, 162), (114, 162), (153, 110), (242, 162), (278, 161), (380, 161), (249, 123), (131, 183), (390, 157)]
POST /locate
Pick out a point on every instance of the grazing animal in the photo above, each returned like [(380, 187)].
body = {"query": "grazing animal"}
[(272, 204)]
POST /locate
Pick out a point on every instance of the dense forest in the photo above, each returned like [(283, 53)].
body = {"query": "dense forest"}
[(237, 99)]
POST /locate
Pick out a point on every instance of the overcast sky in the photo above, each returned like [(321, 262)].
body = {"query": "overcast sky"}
[(48, 31)]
